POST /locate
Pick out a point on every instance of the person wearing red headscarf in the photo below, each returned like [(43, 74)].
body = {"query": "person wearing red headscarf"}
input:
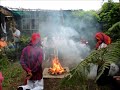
[(102, 40), (107, 77), (31, 61)]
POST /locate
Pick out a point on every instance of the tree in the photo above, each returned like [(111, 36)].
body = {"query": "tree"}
[(114, 31), (109, 15)]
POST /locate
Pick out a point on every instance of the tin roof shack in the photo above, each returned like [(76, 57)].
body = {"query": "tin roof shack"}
[(18, 14), (7, 21)]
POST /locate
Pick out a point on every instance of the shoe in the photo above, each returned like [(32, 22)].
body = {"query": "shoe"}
[(20, 88)]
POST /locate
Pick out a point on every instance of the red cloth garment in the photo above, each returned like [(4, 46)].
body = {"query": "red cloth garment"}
[(102, 38), (1, 79), (31, 58), (35, 38)]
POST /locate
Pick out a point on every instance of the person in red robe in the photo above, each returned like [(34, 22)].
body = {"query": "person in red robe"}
[(102, 40), (31, 62)]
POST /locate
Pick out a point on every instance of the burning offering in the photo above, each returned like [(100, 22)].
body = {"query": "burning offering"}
[(56, 69)]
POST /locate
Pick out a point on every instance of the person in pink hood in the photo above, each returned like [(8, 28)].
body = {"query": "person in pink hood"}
[(31, 62)]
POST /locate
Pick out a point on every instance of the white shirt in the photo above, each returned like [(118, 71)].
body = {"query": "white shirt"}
[(17, 35)]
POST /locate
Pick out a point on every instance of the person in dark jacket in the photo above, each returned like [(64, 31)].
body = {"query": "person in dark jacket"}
[(31, 62), (102, 40)]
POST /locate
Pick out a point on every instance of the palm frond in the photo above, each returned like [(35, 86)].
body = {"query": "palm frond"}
[(103, 57)]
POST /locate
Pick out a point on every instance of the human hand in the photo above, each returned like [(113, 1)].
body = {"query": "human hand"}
[(29, 75), (14, 35), (117, 77)]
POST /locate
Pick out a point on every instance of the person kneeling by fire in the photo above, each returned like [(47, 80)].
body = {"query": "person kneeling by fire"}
[(31, 61), (109, 75)]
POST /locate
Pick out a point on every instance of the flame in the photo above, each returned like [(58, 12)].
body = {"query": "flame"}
[(57, 68)]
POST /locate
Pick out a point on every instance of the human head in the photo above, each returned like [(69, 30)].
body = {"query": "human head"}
[(35, 38), (97, 35), (2, 39)]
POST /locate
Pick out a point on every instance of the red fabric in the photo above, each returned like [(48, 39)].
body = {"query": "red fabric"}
[(1, 79), (25, 82), (0, 86), (35, 38), (31, 58), (101, 37), (31, 61)]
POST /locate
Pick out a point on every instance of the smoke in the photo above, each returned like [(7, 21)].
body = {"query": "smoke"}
[(62, 37)]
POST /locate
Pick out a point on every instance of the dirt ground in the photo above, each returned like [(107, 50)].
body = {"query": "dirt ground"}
[(54, 84), (51, 83)]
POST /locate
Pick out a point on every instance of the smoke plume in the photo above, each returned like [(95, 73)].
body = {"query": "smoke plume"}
[(62, 37)]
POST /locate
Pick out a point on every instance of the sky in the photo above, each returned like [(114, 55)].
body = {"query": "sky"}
[(54, 4)]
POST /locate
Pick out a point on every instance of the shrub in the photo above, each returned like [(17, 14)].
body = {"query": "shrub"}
[(4, 62), (114, 31), (14, 54)]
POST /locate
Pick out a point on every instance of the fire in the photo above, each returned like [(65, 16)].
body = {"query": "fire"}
[(57, 68)]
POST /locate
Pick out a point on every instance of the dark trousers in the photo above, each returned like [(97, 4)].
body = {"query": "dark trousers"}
[(108, 80)]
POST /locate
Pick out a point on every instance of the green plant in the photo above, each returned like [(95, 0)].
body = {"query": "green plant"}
[(11, 54), (24, 41), (11, 74), (114, 31), (109, 15), (4, 62), (104, 57), (14, 54)]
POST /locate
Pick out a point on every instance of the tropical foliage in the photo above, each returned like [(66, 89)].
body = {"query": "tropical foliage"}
[(13, 54), (114, 31), (103, 57), (109, 19), (109, 15)]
